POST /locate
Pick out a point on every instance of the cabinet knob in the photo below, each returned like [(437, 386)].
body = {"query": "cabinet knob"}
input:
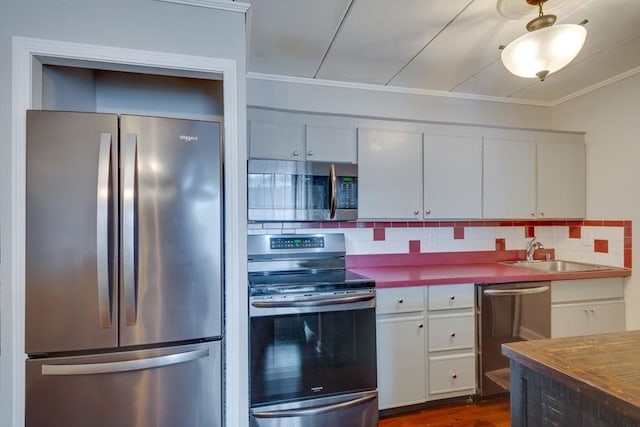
[(454, 376), (416, 212), (420, 325), (309, 153), (295, 153), (453, 334), (428, 212), (532, 213), (452, 297), (400, 301), (586, 311), (541, 213)]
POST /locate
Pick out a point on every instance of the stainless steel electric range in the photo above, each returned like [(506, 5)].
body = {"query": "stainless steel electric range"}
[(313, 334)]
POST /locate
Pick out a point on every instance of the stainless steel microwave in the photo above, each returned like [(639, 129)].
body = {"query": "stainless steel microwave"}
[(282, 190)]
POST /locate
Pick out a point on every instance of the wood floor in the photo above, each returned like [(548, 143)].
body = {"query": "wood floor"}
[(493, 413)]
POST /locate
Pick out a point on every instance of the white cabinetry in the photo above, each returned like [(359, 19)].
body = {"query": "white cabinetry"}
[(509, 178), (426, 344), (389, 174), (284, 141), (400, 339), (451, 355), (587, 306), (452, 176), (527, 179), (561, 180)]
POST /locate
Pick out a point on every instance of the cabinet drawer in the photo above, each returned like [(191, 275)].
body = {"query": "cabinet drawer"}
[(399, 300), (587, 289), (450, 332), (442, 297), (452, 373)]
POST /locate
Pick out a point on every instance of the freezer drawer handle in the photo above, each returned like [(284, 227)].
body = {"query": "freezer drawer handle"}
[(516, 292), (125, 366), (313, 302), (102, 229), (315, 410), (128, 229)]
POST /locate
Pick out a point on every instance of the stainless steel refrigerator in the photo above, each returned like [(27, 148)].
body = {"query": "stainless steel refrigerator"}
[(124, 277)]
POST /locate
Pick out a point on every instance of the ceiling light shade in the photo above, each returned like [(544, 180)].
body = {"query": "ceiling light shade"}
[(544, 51)]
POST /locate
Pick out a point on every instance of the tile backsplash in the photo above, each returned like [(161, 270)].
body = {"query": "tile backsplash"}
[(605, 242)]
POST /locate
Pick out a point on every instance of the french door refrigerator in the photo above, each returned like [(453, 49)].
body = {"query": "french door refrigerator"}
[(124, 275)]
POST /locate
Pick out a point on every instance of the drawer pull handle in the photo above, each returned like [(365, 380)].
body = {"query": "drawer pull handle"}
[(453, 334)]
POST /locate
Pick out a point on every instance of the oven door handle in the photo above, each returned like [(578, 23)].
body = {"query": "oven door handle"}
[(315, 410), (515, 292), (314, 302)]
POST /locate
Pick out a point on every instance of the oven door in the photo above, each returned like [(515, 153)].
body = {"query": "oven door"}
[(325, 345)]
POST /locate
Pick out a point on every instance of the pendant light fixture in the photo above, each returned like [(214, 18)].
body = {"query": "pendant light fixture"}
[(546, 48)]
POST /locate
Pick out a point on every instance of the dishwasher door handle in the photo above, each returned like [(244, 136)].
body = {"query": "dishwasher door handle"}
[(515, 291)]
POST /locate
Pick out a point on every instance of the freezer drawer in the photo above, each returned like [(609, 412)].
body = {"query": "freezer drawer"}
[(175, 386)]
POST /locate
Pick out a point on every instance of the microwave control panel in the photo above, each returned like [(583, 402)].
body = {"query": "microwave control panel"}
[(347, 192)]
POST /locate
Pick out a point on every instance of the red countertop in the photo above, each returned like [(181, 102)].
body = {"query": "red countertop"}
[(391, 271)]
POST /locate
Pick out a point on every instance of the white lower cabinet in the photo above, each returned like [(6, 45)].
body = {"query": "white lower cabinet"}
[(450, 351), (401, 370), (587, 306), (400, 337), (426, 348)]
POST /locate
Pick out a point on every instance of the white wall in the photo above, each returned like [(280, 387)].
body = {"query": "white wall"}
[(391, 103), (611, 118), (143, 25)]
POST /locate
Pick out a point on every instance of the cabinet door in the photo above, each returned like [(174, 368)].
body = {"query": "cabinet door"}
[(561, 180), (509, 179), (568, 320), (401, 361), (605, 316), (329, 144), (452, 176), (389, 174), (276, 141)]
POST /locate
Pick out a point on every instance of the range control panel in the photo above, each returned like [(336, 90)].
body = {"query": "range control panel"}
[(311, 242)]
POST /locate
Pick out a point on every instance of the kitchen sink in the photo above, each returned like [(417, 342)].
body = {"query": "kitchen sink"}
[(557, 266)]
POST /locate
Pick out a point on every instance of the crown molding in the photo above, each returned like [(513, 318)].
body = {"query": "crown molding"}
[(233, 6), (596, 86), (393, 89)]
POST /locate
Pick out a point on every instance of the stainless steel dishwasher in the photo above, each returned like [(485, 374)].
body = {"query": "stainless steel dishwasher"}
[(507, 312)]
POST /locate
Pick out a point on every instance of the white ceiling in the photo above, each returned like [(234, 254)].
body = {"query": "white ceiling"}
[(437, 45)]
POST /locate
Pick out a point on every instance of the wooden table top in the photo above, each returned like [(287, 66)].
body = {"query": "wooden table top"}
[(604, 367)]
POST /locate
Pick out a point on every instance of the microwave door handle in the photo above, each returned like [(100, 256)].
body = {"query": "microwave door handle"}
[(102, 230), (333, 188), (128, 229)]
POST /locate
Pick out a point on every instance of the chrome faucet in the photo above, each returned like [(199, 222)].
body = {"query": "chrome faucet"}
[(532, 245)]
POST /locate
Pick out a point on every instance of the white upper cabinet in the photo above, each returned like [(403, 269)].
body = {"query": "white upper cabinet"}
[(561, 180), (509, 178), (389, 174), (276, 141), (299, 142), (452, 177), (330, 144)]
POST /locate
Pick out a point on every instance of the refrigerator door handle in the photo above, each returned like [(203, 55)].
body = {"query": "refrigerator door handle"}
[(128, 228), (102, 230), (125, 366)]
